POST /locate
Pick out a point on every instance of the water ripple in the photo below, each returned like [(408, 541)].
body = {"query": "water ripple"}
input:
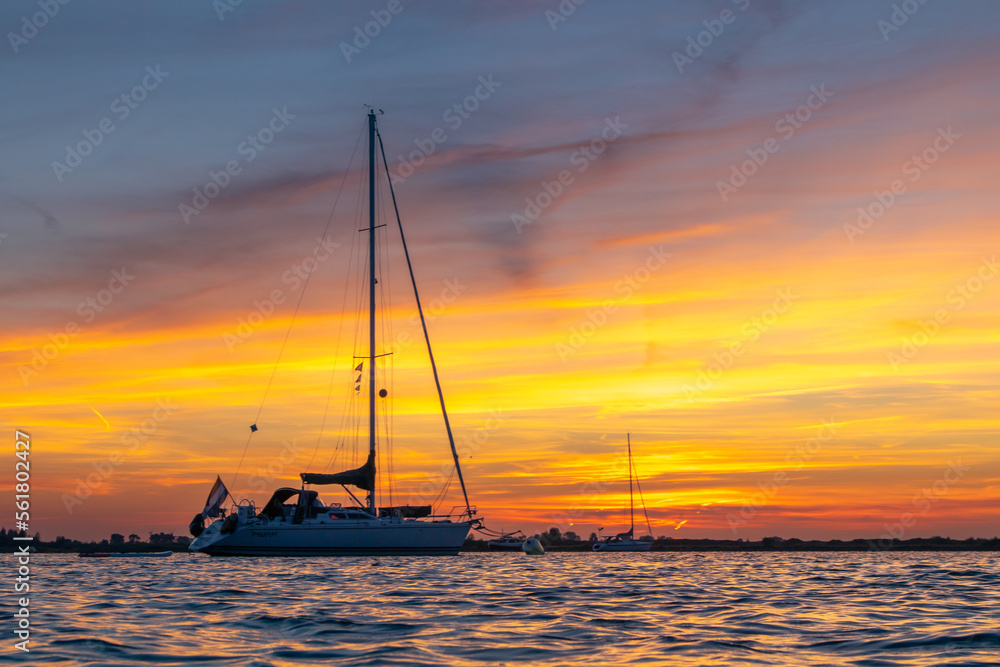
[(905, 610)]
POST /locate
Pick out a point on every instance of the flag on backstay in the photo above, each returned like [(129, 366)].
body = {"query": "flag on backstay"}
[(360, 366), (215, 498)]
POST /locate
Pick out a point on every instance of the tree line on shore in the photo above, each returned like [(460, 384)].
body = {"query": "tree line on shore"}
[(117, 542), (555, 540)]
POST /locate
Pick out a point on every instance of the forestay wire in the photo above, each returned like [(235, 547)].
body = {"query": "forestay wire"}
[(641, 499), (423, 323)]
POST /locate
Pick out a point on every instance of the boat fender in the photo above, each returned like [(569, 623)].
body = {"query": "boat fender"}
[(197, 525), (229, 524)]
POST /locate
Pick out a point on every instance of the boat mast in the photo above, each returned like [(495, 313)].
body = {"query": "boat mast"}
[(371, 299), (631, 505)]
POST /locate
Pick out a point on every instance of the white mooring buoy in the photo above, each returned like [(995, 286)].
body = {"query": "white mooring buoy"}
[(532, 547)]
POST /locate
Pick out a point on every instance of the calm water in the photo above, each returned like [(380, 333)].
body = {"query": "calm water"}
[(485, 609)]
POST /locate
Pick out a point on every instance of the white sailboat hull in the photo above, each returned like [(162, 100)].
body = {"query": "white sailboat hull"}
[(373, 537), (623, 545)]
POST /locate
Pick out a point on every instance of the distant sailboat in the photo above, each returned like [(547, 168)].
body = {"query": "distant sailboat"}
[(625, 541), (294, 522)]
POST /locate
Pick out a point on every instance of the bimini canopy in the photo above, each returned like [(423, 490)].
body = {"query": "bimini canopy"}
[(307, 504), (273, 508), (363, 477)]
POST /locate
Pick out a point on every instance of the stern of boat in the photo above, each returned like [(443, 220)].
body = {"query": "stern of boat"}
[(211, 535)]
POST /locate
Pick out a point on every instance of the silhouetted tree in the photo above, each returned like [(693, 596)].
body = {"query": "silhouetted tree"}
[(570, 535), (133, 538), (117, 538)]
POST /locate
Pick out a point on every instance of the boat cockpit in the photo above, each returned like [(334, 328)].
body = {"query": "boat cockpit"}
[(296, 505)]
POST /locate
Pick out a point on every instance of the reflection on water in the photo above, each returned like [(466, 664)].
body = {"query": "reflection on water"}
[(480, 609)]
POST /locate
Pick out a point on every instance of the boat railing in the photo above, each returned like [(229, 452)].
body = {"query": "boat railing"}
[(246, 509), (457, 513)]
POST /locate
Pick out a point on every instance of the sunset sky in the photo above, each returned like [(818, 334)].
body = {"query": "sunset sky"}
[(771, 259)]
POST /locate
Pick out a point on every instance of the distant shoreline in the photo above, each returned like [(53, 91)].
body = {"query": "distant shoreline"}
[(772, 544), (766, 545)]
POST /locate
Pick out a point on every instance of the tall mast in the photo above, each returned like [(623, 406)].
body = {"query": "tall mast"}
[(371, 297), (631, 506)]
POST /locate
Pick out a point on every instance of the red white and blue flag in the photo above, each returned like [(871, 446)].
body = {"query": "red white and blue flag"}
[(215, 498)]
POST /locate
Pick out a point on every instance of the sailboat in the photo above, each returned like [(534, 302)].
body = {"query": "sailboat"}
[(295, 522), (625, 541)]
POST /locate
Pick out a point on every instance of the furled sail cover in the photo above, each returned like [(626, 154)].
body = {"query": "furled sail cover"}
[(363, 477)]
